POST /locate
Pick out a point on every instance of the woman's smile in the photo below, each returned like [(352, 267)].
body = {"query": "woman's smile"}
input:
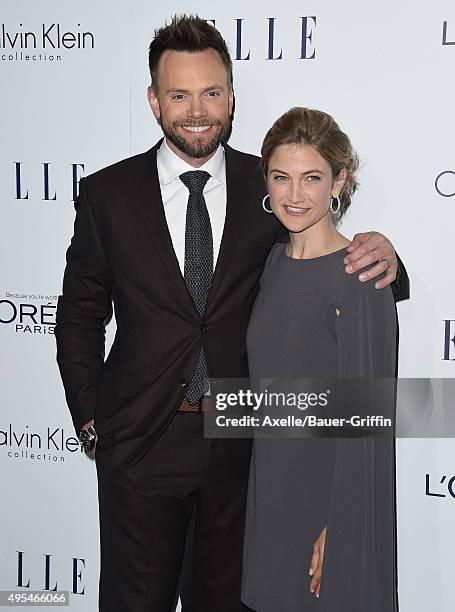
[(295, 211)]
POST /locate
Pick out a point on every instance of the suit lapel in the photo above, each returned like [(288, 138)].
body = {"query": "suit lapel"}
[(233, 223), (147, 204)]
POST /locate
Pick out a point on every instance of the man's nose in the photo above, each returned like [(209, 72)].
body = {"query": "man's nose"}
[(197, 108)]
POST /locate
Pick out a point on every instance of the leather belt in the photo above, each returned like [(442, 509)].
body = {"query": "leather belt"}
[(203, 405)]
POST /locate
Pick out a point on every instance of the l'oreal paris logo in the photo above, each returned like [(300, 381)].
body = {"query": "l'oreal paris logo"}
[(36, 315), (440, 486)]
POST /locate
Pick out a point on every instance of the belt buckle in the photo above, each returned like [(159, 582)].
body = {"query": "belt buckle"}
[(202, 405), (185, 406)]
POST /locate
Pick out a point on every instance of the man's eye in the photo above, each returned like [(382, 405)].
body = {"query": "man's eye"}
[(213, 94), (313, 178), (178, 97)]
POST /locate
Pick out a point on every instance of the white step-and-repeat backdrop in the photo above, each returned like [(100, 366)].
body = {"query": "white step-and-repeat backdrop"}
[(73, 81)]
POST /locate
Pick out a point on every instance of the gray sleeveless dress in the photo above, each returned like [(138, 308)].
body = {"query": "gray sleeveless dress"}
[(298, 486)]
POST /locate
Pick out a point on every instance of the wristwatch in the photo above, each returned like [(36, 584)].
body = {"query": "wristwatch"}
[(87, 438)]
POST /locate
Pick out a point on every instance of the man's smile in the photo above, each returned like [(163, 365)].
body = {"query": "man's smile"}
[(196, 129)]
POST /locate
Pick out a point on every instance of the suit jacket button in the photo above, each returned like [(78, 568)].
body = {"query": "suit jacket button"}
[(204, 328), (183, 382)]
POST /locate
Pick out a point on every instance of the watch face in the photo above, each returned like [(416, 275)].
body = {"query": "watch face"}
[(87, 439)]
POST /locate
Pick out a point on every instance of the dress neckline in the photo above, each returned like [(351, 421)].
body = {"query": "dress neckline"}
[(320, 257)]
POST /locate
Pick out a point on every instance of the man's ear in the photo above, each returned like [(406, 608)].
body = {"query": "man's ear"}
[(230, 100), (152, 96)]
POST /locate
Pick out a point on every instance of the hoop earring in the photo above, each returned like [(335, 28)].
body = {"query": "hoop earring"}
[(338, 205), (264, 206)]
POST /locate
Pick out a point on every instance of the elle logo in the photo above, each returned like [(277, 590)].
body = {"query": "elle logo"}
[(449, 340), (304, 30), (22, 191), (49, 583)]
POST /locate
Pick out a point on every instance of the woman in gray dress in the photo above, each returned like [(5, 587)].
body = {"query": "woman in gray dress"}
[(318, 506)]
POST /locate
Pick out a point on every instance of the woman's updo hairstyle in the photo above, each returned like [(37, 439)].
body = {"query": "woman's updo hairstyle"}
[(305, 126)]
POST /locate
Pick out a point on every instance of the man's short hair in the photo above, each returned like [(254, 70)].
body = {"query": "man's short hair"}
[(187, 33)]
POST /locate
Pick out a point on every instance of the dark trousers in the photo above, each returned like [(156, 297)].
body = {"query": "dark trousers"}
[(144, 516)]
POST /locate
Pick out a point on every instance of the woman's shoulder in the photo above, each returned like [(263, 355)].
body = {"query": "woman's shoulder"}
[(275, 254), (354, 291)]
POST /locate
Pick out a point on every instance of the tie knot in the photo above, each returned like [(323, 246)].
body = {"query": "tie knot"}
[(195, 180)]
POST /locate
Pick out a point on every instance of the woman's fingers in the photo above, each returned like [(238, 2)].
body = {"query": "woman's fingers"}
[(314, 558), (315, 583), (317, 561)]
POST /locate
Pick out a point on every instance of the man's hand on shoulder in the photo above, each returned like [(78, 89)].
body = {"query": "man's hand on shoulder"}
[(368, 248)]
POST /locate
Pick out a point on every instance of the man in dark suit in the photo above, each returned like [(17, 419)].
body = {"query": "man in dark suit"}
[(176, 239)]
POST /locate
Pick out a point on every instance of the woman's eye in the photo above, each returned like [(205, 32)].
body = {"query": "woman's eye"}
[(279, 177)]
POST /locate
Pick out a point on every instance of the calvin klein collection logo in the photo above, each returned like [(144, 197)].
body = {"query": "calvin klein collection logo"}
[(44, 43), (49, 444)]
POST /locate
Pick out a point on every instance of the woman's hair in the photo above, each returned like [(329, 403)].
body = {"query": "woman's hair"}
[(305, 126)]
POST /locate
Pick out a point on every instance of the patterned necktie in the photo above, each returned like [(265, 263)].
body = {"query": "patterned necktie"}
[(198, 264)]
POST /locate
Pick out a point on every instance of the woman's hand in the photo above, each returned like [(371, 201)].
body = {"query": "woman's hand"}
[(316, 563)]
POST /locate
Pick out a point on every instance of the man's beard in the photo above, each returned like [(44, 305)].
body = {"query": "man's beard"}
[(199, 147)]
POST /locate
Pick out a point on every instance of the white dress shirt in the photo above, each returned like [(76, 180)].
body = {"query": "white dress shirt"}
[(175, 196)]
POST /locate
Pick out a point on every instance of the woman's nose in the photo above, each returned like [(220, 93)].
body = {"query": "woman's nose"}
[(296, 193)]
